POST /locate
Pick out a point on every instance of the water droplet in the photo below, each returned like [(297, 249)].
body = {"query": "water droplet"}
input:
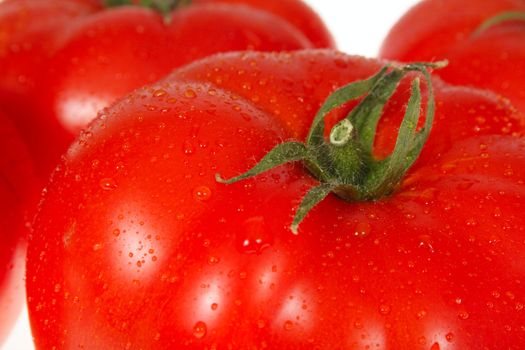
[(288, 325), (189, 93), (463, 315), (200, 329), (108, 184), (254, 237), (97, 247), (362, 229), (159, 93), (188, 148), (449, 337), (214, 306), (116, 232), (384, 309), (425, 241), (421, 314), (212, 260), (202, 193)]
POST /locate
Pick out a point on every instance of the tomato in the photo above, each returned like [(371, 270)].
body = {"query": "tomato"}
[(422, 34), (16, 182), (62, 61), (491, 59), (137, 246)]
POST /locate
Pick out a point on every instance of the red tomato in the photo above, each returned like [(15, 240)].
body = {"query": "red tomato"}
[(492, 59), (431, 28), (62, 61), (16, 181), (137, 246)]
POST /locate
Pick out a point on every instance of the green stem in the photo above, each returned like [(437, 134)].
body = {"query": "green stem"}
[(163, 6), (498, 19), (344, 164)]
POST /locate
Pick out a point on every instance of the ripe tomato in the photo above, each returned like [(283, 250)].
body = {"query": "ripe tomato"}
[(62, 61), (137, 246), (491, 59), (16, 181), (423, 34)]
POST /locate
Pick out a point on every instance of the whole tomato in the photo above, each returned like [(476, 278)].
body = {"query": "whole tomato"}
[(488, 57), (138, 246), (16, 187), (61, 61)]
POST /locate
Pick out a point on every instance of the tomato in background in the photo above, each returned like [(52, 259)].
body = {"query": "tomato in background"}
[(490, 59), (431, 28), (137, 245), (16, 188), (62, 61)]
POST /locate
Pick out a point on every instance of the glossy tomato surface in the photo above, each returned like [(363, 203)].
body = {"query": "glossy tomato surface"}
[(62, 61), (491, 59), (136, 246), (16, 183), (423, 33)]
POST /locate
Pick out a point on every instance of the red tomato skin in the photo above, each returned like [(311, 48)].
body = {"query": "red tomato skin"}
[(16, 181), (423, 34), (71, 68), (492, 59), (295, 12), (137, 246)]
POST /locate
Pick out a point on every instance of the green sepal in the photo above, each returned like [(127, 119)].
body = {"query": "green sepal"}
[(388, 172), (498, 19), (162, 6), (344, 164), (313, 197), (281, 154), (338, 98)]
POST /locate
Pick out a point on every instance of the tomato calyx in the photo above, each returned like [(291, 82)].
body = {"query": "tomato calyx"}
[(500, 18), (163, 6), (344, 163)]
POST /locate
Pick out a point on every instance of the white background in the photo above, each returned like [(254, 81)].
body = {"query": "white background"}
[(358, 27)]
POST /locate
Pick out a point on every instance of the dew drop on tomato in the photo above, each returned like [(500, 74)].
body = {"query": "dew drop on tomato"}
[(202, 193), (288, 325), (200, 329), (253, 236), (261, 324), (463, 315), (384, 309), (449, 337), (107, 184), (188, 148), (425, 242), (190, 93), (362, 229), (213, 260)]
